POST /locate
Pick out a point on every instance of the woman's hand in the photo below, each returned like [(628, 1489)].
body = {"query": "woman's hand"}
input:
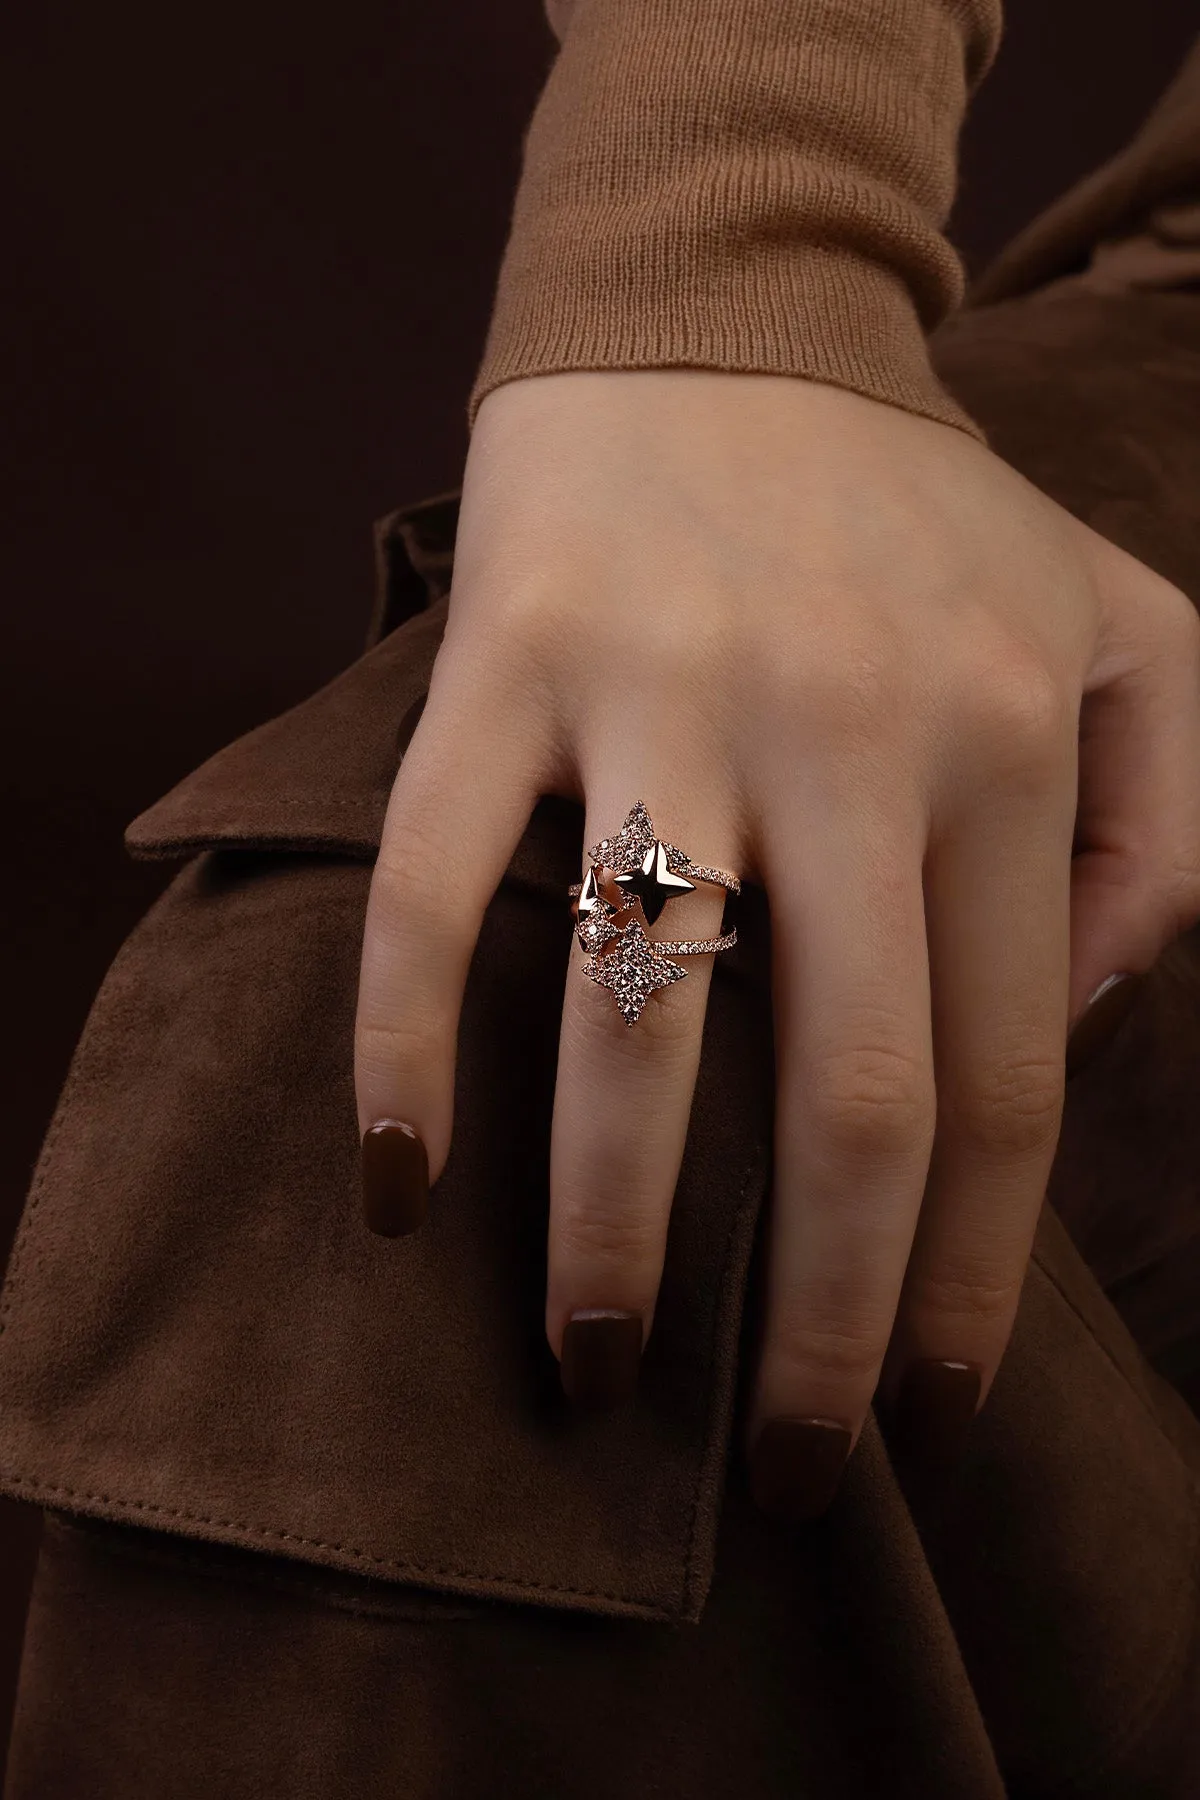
[(853, 656)]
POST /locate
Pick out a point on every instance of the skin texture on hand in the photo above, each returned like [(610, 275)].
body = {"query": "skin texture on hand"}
[(851, 655)]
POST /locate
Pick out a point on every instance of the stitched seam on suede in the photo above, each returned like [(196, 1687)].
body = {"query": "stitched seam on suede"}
[(651, 1607), (711, 1451), (710, 1454), (223, 838), (357, 801), (82, 1060), (1192, 1480), (409, 1612)]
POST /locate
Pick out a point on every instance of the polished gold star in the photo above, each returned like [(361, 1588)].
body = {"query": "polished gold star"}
[(590, 896), (633, 969), (654, 882)]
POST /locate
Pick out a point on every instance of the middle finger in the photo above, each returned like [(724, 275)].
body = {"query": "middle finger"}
[(855, 1117)]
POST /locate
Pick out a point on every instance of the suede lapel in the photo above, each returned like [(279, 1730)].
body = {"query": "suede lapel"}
[(198, 1332)]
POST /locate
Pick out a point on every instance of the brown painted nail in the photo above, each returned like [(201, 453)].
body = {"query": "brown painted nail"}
[(1101, 1018), (601, 1357), (395, 1178), (796, 1466), (933, 1410)]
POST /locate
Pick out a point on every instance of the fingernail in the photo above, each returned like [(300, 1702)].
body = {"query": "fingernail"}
[(395, 1178), (933, 1410), (601, 1357), (796, 1466), (1101, 1018)]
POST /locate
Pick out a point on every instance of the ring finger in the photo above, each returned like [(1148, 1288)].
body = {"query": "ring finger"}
[(623, 1098)]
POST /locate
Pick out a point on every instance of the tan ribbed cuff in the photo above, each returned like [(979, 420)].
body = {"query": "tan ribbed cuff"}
[(821, 315), (756, 186)]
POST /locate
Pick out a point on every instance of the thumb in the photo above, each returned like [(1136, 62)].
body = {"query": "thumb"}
[(1135, 872)]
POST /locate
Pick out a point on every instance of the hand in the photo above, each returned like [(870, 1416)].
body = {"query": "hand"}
[(850, 654)]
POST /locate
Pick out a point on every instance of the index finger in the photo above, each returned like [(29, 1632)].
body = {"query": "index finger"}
[(471, 776)]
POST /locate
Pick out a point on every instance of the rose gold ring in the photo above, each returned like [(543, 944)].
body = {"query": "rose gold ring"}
[(632, 876)]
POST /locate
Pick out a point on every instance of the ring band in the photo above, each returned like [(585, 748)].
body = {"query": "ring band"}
[(632, 876)]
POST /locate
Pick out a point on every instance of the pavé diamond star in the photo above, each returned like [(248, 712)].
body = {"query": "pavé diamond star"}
[(633, 969), (626, 848), (596, 928)]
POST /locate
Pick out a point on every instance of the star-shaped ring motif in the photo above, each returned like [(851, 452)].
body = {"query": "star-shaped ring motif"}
[(636, 869), (654, 882), (633, 969)]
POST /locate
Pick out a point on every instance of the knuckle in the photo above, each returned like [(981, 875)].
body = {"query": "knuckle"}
[(417, 1043), (1186, 621), (844, 692), (680, 668), (1020, 712), (1015, 1109), (872, 1100), (1164, 880), (1183, 902), (413, 887), (1181, 899), (967, 1290), (622, 1236), (407, 908), (411, 865), (1179, 889), (519, 609), (1180, 619), (824, 1351), (503, 657), (693, 636)]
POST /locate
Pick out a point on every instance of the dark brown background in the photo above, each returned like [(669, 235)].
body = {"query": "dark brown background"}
[(250, 260)]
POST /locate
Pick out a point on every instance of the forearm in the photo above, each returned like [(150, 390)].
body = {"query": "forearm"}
[(757, 185)]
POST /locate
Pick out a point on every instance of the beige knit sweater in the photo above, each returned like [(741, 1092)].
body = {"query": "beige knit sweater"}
[(757, 185)]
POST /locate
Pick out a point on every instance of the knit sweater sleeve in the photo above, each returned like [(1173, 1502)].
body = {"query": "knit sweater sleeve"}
[(747, 185)]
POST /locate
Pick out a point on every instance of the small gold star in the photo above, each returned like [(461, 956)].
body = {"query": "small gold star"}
[(589, 895), (654, 883)]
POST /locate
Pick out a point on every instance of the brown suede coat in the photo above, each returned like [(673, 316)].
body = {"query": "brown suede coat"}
[(320, 1522)]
